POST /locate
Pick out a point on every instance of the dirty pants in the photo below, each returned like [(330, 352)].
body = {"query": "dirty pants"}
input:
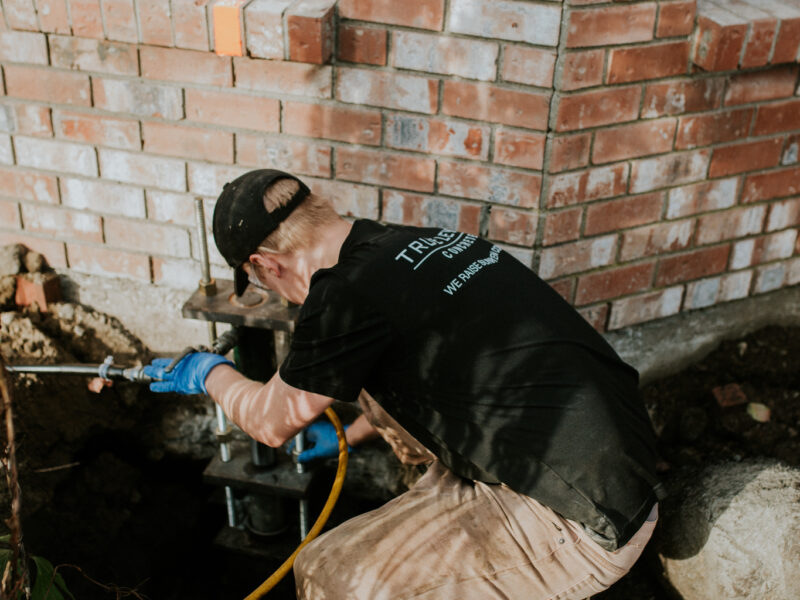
[(453, 538)]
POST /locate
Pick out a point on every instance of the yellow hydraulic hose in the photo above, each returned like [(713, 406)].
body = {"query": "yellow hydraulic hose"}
[(336, 488)]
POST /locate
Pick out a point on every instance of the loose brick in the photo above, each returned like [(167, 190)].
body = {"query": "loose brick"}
[(530, 66), (429, 211), (228, 109), (53, 16), (746, 157), (519, 148), (172, 64), (720, 37), (784, 214), (384, 168), (713, 128), (33, 120), (422, 14), (647, 62), (98, 260), (264, 31), (350, 199), (141, 236), (582, 69), (615, 215), (491, 184), (676, 18), (283, 77), (656, 239), (707, 292), (23, 47), (486, 102), (207, 180), (665, 171), (181, 141), (614, 283), (776, 184), (615, 24), (437, 136), (25, 185), (310, 25), (512, 226), (287, 155), (332, 122), (762, 249), (102, 197), (139, 169), (362, 44), (730, 224), (387, 90), (169, 207), (138, 98), (51, 155), (569, 152), (562, 226), (702, 197), (692, 265), (632, 141), (578, 256), (47, 85), (81, 54), (683, 96), (445, 55), (9, 215), (190, 23), (646, 307), (228, 24), (96, 129), (591, 109), (537, 24), (588, 185), (51, 249), (774, 118), (87, 18), (61, 224), (154, 22), (120, 20), (778, 82), (769, 278)]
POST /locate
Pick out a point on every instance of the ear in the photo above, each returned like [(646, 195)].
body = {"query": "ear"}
[(267, 262)]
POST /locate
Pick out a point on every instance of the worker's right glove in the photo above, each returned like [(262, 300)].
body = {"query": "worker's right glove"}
[(188, 376), (326, 443)]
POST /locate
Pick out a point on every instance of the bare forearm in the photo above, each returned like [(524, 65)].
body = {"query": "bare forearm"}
[(360, 431)]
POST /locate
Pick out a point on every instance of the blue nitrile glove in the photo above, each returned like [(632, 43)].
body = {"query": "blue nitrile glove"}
[(326, 443), (188, 376)]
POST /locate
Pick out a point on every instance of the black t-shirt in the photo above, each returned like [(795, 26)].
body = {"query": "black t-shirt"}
[(485, 364)]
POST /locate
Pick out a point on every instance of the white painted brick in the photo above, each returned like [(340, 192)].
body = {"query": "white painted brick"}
[(389, 90), (6, 150), (52, 155), (433, 53), (779, 245), (731, 224), (645, 307), (85, 54), (702, 197), (168, 207), (742, 255), (437, 212), (770, 278), (735, 286), (178, 273), (102, 197), (349, 199), (207, 180), (793, 271), (507, 20), (264, 25), (703, 293), (8, 120), (139, 169), (579, 256), (671, 169), (655, 239), (784, 214), (138, 98), (23, 47), (523, 255)]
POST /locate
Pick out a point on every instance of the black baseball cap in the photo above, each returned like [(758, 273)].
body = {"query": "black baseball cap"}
[(241, 222)]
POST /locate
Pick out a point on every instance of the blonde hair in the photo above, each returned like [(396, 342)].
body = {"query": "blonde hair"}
[(299, 227)]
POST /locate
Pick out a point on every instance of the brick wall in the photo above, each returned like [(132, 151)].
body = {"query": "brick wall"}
[(641, 156)]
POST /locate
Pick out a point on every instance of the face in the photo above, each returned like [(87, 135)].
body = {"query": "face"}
[(271, 276)]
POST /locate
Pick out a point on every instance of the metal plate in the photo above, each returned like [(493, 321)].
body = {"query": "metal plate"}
[(265, 310)]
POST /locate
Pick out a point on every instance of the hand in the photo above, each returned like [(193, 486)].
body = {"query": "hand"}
[(188, 376), (326, 443)]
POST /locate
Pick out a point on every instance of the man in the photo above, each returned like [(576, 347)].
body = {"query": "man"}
[(543, 483)]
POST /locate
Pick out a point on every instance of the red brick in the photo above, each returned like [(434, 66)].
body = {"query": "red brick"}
[(98, 260), (519, 148), (575, 257), (788, 42), (645, 307), (718, 46), (52, 250), (143, 170), (512, 226), (47, 85), (284, 154), (702, 197), (422, 14), (28, 186), (353, 200), (96, 129), (730, 224), (437, 136), (746, 157), (33, 120), (52, 155), (20, 14), (759, 43), (530, 66), (443, 55), (430, 211), (774, 118), (564, 288), (87, 18), (631, 141), (23, 47), (682, 96), (280, 77), (617, 24), (362, 44), (692, 265), (62, 224), (172, 64), (676, 18), (668, 170), (569, 152), (137, 97), (656, 239), (615, 215), (9, 215), (310, 29), (490, 184), (384, 168), (713, 128), (181, 141), (190, 21), (591, 109), (332, 122), (775, 184), (143, 236), (228, 109), (120, 19), (647, 62), (93, 55), (614, 283), (582, 69), (562, 226), (154, 22), (53, 16), (486, 102), (596, 316), (588, 185), (778, 82)]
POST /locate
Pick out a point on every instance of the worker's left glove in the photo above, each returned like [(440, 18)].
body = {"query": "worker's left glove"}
[(188, 376), (325, 442)]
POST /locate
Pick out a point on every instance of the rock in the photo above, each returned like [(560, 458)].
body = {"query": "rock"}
[(33, 261), (8, 290), (11, 258), (731, 531)]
